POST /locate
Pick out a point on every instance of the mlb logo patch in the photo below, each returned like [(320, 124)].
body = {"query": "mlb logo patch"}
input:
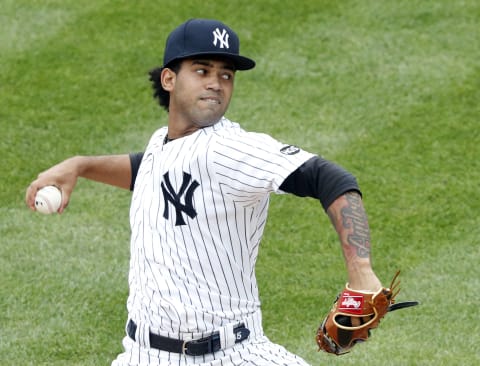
[(351, 303), (289, 150)]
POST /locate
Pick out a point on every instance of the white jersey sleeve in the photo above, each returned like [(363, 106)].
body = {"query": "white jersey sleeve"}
[(252, 164)]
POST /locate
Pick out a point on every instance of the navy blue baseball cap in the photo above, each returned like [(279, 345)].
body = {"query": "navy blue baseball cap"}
[(207, 37)]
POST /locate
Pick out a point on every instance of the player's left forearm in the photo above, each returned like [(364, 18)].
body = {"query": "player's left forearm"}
[(349, 218)]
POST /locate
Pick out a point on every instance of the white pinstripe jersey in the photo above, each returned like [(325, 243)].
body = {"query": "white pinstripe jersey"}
[(197, 216)]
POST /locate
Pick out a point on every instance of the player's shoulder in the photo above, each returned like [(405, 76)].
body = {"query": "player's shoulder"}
[(156, 139), (229, 131), (159, 135), (233, 138)]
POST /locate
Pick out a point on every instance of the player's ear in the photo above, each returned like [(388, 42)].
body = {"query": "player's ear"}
[(167, 78)]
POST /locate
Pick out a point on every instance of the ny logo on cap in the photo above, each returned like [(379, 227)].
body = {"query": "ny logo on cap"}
[(221, 37)]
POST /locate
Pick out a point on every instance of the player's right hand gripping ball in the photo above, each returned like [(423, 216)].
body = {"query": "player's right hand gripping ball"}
[(353, 314)]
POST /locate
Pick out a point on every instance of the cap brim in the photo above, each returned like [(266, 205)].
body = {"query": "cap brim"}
[(240, 62), (243, 63)]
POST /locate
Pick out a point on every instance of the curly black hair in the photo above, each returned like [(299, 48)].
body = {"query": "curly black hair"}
[(158, 91)]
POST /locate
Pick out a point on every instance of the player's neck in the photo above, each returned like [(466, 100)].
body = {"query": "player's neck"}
[(175, 133)]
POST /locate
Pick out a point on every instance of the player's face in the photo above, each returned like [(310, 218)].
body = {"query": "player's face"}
[(201, 91)]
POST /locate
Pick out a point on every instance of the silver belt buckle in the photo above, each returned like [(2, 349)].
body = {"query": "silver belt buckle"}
[(184, 347)]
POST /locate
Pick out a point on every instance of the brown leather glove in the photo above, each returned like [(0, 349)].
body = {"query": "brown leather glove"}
[(353, 314)]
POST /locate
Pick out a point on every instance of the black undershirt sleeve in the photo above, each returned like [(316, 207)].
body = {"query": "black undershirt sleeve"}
[(135, 160), (321, 179)]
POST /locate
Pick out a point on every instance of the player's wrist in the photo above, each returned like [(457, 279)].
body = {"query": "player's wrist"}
[(79, 165), (362, 278)]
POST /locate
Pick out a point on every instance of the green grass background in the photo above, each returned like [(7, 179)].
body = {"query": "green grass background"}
[(388, 89)]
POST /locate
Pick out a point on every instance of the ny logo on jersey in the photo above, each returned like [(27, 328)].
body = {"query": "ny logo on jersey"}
[(221, 37), (186, 191)]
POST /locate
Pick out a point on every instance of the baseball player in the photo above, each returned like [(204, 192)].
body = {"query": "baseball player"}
[(199, 206)]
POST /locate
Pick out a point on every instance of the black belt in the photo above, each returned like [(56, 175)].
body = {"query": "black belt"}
[(196, 347)]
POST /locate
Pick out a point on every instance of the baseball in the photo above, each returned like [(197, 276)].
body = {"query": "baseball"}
[(48, 200)]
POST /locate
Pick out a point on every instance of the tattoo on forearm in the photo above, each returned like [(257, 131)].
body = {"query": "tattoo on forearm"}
[(354, 218)]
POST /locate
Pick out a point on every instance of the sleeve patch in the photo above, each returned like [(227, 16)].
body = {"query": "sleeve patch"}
[(289, 150)]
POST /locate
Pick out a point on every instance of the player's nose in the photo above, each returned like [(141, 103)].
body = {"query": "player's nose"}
[(214, 83)]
